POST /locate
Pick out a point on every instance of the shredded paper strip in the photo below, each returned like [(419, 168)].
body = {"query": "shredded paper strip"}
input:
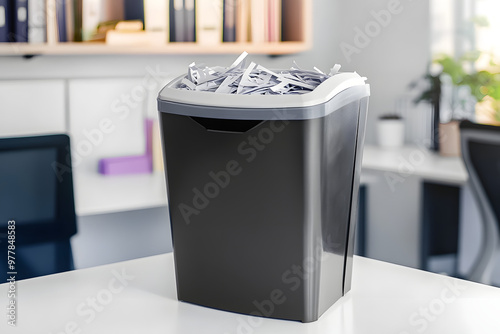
[(254, 79)]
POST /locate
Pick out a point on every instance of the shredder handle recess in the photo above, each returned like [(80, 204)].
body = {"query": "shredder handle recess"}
[(227, 125)]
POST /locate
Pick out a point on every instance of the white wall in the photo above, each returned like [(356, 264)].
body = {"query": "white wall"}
[(397, 54)]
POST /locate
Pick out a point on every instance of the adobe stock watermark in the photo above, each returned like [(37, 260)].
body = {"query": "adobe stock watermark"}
[(422, 319), (408, 166), (363, 36), (120, 109), (88, 310), (248, 149), (292, 278)]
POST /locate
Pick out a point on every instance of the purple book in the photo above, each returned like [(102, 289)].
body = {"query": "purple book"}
[(136, 164)]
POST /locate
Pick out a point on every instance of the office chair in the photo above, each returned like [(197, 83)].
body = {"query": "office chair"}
[(36, 191), (481, 154)]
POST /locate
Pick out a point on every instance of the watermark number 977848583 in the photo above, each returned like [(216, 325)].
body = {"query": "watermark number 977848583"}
[(11, 272)]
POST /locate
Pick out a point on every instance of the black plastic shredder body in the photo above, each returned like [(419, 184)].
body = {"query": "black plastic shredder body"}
[(263, 209)]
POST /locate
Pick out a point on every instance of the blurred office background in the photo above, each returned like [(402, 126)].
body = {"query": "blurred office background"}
[(390, 42)]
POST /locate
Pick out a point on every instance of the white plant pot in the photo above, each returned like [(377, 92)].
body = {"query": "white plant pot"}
[(390, 133)]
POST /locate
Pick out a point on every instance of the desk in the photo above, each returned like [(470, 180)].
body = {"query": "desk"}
[(426, 164), (135, 192), (385, 298), (416, 201)]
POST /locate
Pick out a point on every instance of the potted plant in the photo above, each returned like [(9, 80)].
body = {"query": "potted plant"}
[(390, 131), (432, 95), (485, 87), (456, 91)]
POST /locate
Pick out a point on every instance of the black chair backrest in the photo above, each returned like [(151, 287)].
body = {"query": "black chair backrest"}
[(483, 148), (481, 154), (36, 191)]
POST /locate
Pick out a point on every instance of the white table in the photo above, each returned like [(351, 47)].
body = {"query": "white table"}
[(397, 197), (423, 163), (134, 192), (385, 299)]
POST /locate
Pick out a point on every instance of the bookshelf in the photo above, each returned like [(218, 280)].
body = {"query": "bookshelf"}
[(95, 48), (296, 37)]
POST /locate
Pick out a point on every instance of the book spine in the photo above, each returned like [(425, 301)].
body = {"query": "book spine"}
[(77, 20), (274, 28), (279, 8), (229, 34), (134, 10), (258, 21), (70, 21), (156, 15), (91, 13), (36, 21), (209, 21), (4, 21), (21, 21), (266, 20), (51, 19), (177, 33), (171, 21), (242, 20), (61, 20), (190, 20), (292, 20)]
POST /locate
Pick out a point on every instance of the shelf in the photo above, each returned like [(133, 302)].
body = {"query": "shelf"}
[(95, 48), (296, 34), (98, 194)]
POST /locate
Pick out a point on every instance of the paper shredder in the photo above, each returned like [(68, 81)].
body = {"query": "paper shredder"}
[(262, 195)]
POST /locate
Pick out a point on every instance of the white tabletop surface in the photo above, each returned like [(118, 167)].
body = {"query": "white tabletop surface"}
[(385, 299), (417, 161)]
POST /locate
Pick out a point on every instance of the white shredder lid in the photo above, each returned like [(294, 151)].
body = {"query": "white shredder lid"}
[(321, 94)]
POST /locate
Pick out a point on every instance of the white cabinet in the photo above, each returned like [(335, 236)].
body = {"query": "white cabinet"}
[(31, 107)]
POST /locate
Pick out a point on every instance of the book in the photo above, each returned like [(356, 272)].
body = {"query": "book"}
[(134, 25), (91, 14), (189, 21), (135, 164), (20, 21), (5, 26), (266, 20), (274, 25), (242, 21), (97, 12), (77, 20), (293, 20), (209, 21), (51, 21), (36, 21), (176, 15), (156, 16), (61, 20), (132, 10), (259, 18), (70, 20), (229, 33), (134, 38)]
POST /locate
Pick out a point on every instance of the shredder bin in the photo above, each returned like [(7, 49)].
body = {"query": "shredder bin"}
[(262, 194)]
